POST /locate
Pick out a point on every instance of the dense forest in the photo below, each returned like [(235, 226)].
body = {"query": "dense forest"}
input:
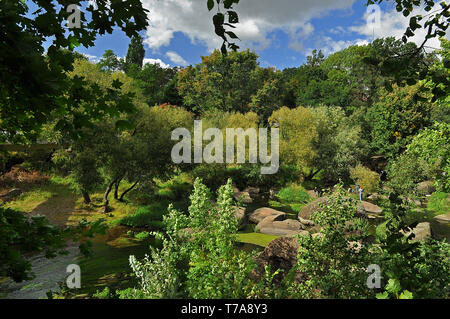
[(358, 208)]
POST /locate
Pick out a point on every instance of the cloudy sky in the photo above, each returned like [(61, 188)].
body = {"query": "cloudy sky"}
[(281, 32)]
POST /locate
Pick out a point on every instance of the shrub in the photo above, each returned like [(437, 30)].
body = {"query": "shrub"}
[(293, 194), (364, 177), (216, 269), (334, 264), (142, 235)]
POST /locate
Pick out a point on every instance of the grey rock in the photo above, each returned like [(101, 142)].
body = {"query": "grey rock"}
[(259, 214)]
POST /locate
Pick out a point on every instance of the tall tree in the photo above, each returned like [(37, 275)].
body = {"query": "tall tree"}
[(136, 52), (111, 62), (221, 82)]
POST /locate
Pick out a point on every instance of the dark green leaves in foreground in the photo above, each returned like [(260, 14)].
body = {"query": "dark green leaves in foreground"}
[(34, 87), (222, 20), (436, 23)]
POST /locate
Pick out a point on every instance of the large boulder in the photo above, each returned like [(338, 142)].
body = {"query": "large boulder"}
[(242, 196), (309, 209), (364, 208), (426, 187), (281, 253), (259, 214), (369, 210), (421, 231), (306, 222), (443, 219), (272, 225)]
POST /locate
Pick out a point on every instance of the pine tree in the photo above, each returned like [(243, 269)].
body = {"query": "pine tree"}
[(136, 52)]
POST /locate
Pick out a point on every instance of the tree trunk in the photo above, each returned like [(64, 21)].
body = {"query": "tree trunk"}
[(105, 196), (116, 188), (126, 191), (86, 197), (311, 175)]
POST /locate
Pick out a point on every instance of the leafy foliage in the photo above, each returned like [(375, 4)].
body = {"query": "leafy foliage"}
[(48, 87), (396, 118), (420, 268), (136, 52), (335, 262), (215, 269), (364, 177), (405, 65), (431, 146)]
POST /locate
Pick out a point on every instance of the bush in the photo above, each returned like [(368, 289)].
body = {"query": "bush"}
[(293, 194), (142, 235), (405, 172), (176, 188), (364, 177), (215, 175)]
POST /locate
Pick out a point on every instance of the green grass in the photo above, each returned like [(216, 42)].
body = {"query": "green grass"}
[(439, 203), (28, 201), (150, 215), (258, 239)]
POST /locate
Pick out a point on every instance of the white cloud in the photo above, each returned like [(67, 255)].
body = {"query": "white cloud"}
[(176, 58), (329, 46), (92, 58), (393, 24), (156, 61), (390, 24), (258, 18)]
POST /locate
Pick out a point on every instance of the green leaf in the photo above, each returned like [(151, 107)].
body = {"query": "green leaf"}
[(73, 42), (232, 35), (406, 295), (383, 295), (393, 286), (233, 17), (210, 4)]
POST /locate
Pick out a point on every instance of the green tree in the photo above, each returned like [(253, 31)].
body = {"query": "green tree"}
[(111, 62), (319, 140), (136, 52), (221, 82), (431, 146), (395, 118), (405, 65), (158, 84), (270, 96), (405, 172)]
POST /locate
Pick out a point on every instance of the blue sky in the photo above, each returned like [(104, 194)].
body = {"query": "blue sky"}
[(281, 32)]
